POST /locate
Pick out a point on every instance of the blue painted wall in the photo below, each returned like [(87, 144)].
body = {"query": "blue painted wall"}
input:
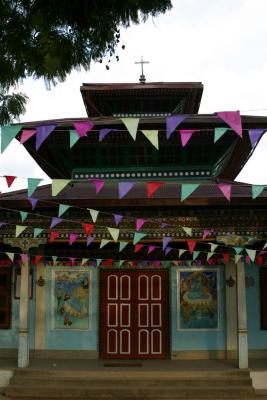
[(197, 340), (72, 339)]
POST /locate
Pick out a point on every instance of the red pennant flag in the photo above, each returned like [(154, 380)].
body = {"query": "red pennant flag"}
[(226, 257), (191, 245), (108, 262), (53, 236), (259, 260), (10, 179), (152, 187), (134, 263), (138, 247), (88, 228), (36, 260)]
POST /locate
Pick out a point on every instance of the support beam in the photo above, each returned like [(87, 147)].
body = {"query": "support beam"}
[(23, 350), (231, 311), (242, 333)]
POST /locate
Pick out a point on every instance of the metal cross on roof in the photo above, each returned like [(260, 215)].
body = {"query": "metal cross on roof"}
[(142, 78)]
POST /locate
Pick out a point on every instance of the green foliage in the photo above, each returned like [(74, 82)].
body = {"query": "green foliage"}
[(11, 106)]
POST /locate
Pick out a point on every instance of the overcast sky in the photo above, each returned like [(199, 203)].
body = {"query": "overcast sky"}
[(220, 43)]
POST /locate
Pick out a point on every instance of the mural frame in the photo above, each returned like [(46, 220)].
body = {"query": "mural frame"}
[(55, 271), (216, 271)]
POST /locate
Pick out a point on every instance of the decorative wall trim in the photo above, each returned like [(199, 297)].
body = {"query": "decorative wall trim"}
[(66, 354), (141, 174)]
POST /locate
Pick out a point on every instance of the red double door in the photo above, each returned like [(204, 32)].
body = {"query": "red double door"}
[(134, 314)]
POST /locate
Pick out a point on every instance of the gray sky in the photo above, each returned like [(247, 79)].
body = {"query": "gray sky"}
[(220, 43)]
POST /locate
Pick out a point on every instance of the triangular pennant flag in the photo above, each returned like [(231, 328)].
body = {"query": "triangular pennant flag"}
[(124, 188), (23, 215), (98, 183), (247, 259), (191, 245), (117, 218), (257, 190), (11, 256), (165, 241), (24, 258), (10, 179), (209, 255), (251, 253), (58, 185), (139, 223), (213, 247), (54, 259), (37, 231), (88, 228), (2, 223), (120, 263), (114, 232), (138, 247), (98, 261), (187, 189), (104, 132), (259, 260), (153, 137), (172, 123), (186, 135), (138, 236), (195, 254), (89, 240), (83, 127), (264, 247), (37, 259), (206, 233), (238, 258), (62, 209), (93, 213), (226, 257), (42, 133), (74, 137), (72, 238), (150, 249), (167, 250), (54, 222), (163, 225), (84, 261), (238, 249), (233, 119), (26, 134), (8, 133), (20, 229), (131, 125), (165, 263), (53, 236), (187, 230), (255, 135), (72, 260), (181, 252), (122, 245), (226, 190), (219, 132), (152, 187), (32, 185), (103, 243), (33, 202)]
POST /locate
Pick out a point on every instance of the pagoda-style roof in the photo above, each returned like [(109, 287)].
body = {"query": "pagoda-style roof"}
[(137, 99)]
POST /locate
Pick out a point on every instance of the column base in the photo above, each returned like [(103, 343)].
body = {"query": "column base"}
[(23, 350)]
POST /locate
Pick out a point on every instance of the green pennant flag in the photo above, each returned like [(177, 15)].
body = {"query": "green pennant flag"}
[(74, 137), (122, 245), (114, 232), (256, 190), (20, 229), (93, 213), (23, 215), (138, 236), (121, 262), (11, 256), (195, 254), (8, 133), (238, 249), (84, 260), (62, 209), (251, 253), (58, 185), (131, 125), (98, 261), (165, 263), (32, 185), (37, 231), (218, 133), (103, 243), (187, 189), (187, 230)]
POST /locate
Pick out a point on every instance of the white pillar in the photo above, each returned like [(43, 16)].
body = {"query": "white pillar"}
[(231, 312), (242, 333), (40, 310), (23, 350)]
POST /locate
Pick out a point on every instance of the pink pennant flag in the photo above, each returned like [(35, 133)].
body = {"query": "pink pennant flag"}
[(138, 247), (152, 187), (150, 249), (191, 245), (24, 258), (33, 202), (89, 240), (186, 135), (206, 233), (72, 238), (226, 190), (156, 263), (124, 188), (233, 119), (139, 223), (165, 241), (98, 183), (117, 218), (83, 127), (26, 134)]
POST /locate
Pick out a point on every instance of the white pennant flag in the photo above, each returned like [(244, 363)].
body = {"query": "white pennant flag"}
[(114, 232), (153, 137), (93, 213), (131, 125)]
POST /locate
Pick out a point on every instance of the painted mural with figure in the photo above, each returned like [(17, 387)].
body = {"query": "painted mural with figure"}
[(70, 300)]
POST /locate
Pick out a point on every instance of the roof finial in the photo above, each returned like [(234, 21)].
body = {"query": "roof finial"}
[(142, 78)]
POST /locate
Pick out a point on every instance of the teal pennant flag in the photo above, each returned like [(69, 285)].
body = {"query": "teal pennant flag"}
[(32, 185), (37, 231), (138, 236), (62, 209), (195, 254), (23, 215), (8, 133), (238, 249), (187, 189), (122, 246), (256, 190), (74, 137), (219, 132)]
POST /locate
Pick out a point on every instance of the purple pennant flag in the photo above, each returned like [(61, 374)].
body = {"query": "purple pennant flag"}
[(2, 224), (124, 188), (164, 225), (117, 218), (54, 222), (89, 240), (104, 132), (172, 123), (254, 135), (42, 133), (167, 250), (33, 202), (166, 240)]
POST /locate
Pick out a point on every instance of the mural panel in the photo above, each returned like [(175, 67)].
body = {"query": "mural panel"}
[(198, 307), (70, 299)]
